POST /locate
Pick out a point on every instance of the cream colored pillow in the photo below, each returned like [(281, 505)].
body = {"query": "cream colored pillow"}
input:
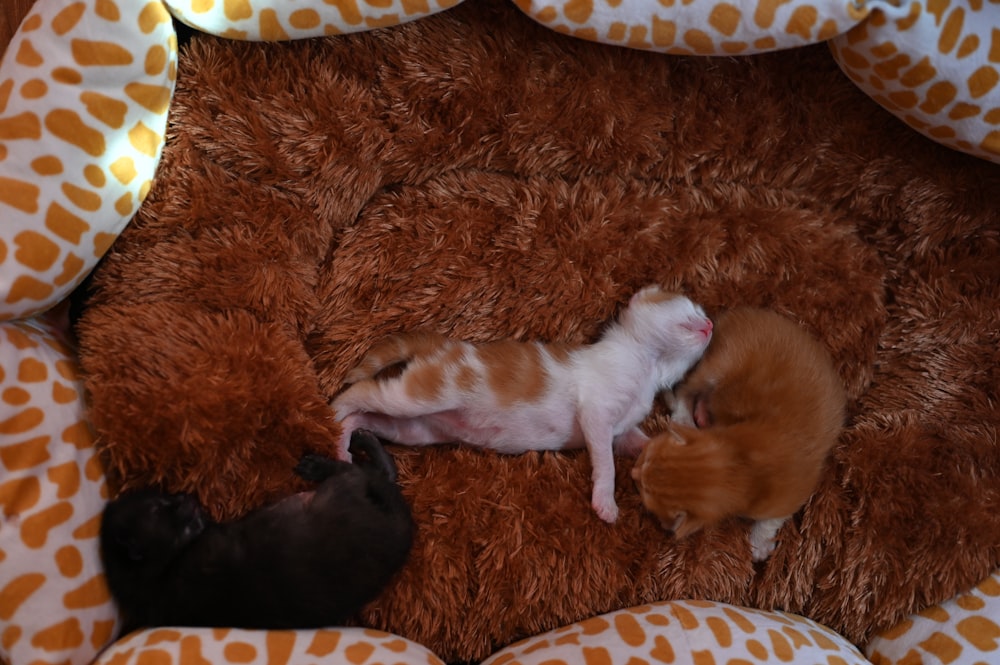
[(685, 631), (54, 604), (84, 93), (336, 646), (699, 27), (962, 631), (935, 65), (278, 20)]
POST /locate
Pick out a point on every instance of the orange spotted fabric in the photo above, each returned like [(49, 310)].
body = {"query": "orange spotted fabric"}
[(934, 64), (54, 605), (84, 92), (221, 646), (699, 27), (278, 20), (697, 632), (963, 631)]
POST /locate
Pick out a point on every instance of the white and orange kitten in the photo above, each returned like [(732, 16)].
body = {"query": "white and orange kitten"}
[(518, 396), (753, 424)]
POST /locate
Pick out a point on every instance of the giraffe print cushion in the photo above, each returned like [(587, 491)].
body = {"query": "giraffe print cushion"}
[(962, 631), (54, 605), (221, 646), (685, 632), (84, 92), (699, 27), (935, 65), (277, 20)]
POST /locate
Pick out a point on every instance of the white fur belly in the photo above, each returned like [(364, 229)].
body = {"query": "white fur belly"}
[(509, 431)]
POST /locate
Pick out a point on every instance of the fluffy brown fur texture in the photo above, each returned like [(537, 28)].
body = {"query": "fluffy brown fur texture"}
[(751, 428), (479, 175)]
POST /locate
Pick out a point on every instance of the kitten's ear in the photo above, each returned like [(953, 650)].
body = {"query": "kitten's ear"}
[(685, 435), (641, 294), (675, 434)]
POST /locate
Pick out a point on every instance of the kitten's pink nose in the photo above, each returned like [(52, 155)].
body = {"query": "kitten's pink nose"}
[(706, 328), (702, 327)]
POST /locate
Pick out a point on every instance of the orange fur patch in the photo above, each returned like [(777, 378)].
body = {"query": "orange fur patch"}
[(514, 371), (424, 383)]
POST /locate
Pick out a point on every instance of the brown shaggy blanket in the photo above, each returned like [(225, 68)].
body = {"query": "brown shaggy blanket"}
[(481, 175)]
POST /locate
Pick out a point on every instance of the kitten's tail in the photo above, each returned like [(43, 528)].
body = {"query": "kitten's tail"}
[(394, 350)]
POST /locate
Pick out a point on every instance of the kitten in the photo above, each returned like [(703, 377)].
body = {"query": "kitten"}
[(514, 397), (754, 422), (313, 559)]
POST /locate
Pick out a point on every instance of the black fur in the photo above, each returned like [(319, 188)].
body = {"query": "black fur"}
[(313, 559)]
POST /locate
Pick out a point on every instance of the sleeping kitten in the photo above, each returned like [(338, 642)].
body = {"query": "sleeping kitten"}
[(514, 396), (754, 421), (313, 559)]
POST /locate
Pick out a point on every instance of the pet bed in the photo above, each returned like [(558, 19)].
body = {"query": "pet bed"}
[(479, 173)]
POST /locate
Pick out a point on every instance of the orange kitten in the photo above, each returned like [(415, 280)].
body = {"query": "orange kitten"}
[(519, 396), (753, 424)]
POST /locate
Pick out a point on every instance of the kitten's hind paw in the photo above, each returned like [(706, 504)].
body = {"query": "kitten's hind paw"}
[(317, 468), (367, 447), (763, 538)]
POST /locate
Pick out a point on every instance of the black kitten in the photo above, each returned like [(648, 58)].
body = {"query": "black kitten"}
[(311, 560)]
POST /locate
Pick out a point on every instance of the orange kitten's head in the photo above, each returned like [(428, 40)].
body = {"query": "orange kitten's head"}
[(762, 367), (688, 479)]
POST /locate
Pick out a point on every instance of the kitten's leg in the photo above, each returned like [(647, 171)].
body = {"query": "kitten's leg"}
[(385, 408), (762, 537), (599, 446), (389, 397), (317, 468), (407, 431), (348, 424), (631, 442), (366, 444)]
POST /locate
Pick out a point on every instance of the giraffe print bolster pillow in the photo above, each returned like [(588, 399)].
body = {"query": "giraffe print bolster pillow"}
[(84, 93), (279, 20), (234, 646), (964, 630), (699, 27), (54, 604), (935, 64), (685, 631)]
